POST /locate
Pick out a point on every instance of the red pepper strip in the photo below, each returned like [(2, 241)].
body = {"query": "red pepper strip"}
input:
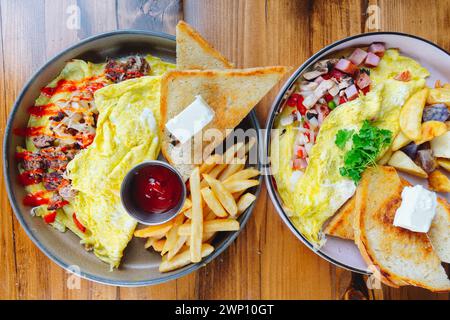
[(78, 223), (50, 218)]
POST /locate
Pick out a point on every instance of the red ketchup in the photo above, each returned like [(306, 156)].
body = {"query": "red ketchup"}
[(155, 189)]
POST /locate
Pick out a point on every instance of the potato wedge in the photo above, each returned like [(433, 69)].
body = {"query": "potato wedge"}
[(441, 146), (245, 201), (385, 158), (439, 182), (224, 196), (439, 95), (411, 114), (431, 130), (213, 203), (240, 185), (400, 141), (444, 163), (196, 230), (211, 226), (402, 162), (183, 259)]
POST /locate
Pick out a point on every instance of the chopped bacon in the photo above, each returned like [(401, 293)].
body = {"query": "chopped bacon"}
[(404, 76), (377, 48), (346, 66), (358, 56), (372, 60)]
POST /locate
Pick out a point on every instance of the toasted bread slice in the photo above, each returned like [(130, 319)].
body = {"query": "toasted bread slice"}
[(231, 94), (402, 257), (341, 224), (194, 52), (439, 233)]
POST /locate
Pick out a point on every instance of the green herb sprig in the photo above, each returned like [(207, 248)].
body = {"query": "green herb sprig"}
[(367, 145)]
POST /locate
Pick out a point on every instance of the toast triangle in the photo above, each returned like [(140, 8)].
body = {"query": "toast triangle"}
[(194, 52), (230, 93)]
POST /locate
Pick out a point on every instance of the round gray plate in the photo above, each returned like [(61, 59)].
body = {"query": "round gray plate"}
[(139, 267)]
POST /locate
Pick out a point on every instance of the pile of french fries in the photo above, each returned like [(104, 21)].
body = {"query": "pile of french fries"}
[(217, 197)]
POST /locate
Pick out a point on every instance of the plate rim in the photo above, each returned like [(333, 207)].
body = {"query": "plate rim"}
[(85, 275), (269, 124)]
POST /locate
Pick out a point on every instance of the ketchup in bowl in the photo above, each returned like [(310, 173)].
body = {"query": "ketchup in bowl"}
[(155, 189), (153, 192)]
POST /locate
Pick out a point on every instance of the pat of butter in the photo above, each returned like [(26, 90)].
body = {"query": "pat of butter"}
[(191, 120), (417, 209)]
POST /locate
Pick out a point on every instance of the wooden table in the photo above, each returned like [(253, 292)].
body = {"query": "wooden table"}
[(266, 261)]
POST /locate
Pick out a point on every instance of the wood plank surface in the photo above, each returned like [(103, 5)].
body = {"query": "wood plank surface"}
[(266, 261)]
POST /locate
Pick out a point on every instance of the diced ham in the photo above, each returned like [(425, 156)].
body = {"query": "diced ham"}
[(372, 60), (358, 56), (363, 80), (346, 66), (351, 92), (377, 48)]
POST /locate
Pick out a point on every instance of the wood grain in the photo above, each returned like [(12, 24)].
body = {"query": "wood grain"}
[(266, 261)]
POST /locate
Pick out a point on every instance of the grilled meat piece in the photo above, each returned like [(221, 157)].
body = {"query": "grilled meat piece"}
[(33, 162), (67, 192), (43, 141), (133, 67), (52, 180)]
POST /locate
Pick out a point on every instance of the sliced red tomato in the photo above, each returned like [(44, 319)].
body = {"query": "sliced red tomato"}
[(50, 218), (78, 223)]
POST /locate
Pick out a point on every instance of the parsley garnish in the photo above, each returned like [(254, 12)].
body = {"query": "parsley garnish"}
[(342, 137), (367, 145)]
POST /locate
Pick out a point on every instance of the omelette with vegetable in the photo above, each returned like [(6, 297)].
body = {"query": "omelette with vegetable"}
[(88, 127), (337, 121)]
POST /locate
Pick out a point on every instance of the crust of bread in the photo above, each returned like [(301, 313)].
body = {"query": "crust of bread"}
[(388, 247), (439, 233), (210, 57)]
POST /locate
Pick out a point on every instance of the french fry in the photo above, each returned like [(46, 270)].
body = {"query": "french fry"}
[(224, 196), (181, 240), (215, 225), (245, 201), (188, 213), (243, 175), (210, 163), (213, 203), (240, 185), (214, 173), (154, 231), (196, 228), (156, 244), (183, 258), (231, 152), (186, 205), (172, 235), (235, 166)]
